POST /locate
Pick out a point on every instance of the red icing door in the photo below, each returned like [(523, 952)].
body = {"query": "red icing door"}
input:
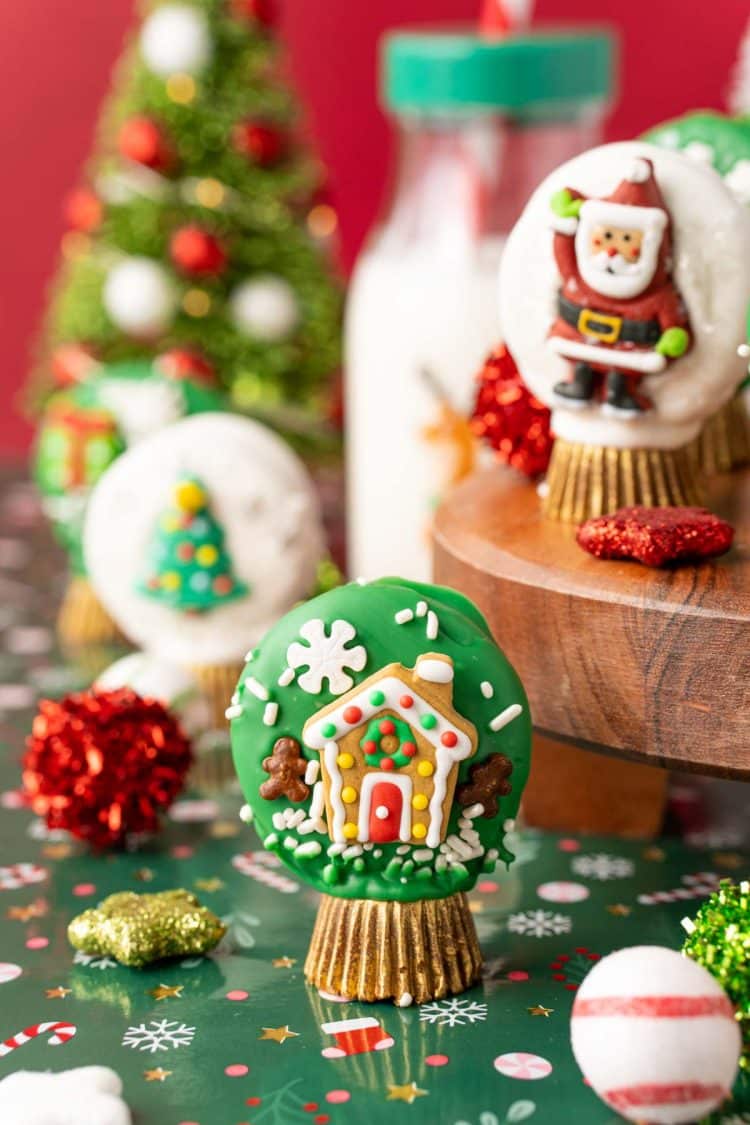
[(386, 804)]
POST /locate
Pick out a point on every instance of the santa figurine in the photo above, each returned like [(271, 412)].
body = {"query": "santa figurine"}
[(620, 315)]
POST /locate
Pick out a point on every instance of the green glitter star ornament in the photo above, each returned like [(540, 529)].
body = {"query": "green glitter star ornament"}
[(719, 939), (137, 929)]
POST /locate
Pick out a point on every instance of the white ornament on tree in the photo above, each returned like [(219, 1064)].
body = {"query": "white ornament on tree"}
[(139, 296), (176, 39), (265, 308)]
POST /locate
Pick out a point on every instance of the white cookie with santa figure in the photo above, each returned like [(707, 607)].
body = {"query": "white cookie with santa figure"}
[(623, 292)]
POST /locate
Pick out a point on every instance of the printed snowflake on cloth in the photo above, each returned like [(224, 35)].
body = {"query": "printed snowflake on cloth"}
[(603, 867), (453, 1013), (539, 923), (91, 961), (160, 1035), (326, 656)]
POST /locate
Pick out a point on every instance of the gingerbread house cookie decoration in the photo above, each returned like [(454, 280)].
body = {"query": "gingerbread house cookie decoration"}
[(382, 742)]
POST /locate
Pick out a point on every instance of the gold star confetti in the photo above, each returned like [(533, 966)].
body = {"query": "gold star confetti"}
[(57, 851), (278, 1034), (540, 1010), (35, 909), (656, 855), (209, 885), (730, 860), (223, 829), (144, 875), (476, 907), (166, 991), (283, 962), (158, 1074), (619, 909), (405, 1093), (58, 993)]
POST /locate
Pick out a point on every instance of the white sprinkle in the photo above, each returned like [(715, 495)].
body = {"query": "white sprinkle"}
[(441, 863), (360, 581), (246, 814), (474, 811), (422, 855), (294, 817), (464, 822), (249, 656), (459, 869), (403, 849), (311, 848), (271, 840), (470, 836), (318, 801), (312, 771), (509, 825), (368, 847), (336, 849), (279, 821), (308, 826), (235, 698), (432, 626), (290, 843), (256, 688), (460, 847), (405, 1000), (688, 925), (286, 678), (493, 854), (486, 689), (403, 616), (234, 711), (506, 716), (421, 609), (270, 714), (377, 853), (352, 852)]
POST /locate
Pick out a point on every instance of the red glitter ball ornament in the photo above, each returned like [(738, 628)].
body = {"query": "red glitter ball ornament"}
[(185, 363), (656, 536), (83, 209), (141, 140), (263, 144), (508, 417), (254, 11), (104, 764), (197, 252)]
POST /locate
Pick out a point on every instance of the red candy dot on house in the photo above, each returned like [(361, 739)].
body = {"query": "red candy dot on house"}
[(387, 727), (236, 1070), (449, 738), (338, 1097), (237, 994), (406, 701), (387, 764), (370, 747), (409, 749), (352, 715), (437, 1060), (81, 890)]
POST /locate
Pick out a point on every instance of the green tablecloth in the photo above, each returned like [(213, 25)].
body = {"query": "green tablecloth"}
[(237, 1038)]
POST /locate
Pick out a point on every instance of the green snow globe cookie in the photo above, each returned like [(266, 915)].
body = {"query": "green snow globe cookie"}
[(84, 429), (382, 742)]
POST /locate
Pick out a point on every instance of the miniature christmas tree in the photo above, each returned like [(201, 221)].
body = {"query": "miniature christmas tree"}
[(190, 568), (195, 231)]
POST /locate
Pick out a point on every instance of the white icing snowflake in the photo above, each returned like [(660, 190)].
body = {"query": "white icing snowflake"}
[(539, 923), (326, 656), (93, 962), (603, 867), (160, 1035), (453, 1012)]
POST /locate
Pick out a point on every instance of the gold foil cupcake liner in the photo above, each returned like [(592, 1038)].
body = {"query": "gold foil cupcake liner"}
[(82, 619), (724, 443), (213, 768), (592, 480), (368, 949)]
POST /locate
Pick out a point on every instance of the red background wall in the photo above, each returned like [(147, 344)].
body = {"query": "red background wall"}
[(54, 63)]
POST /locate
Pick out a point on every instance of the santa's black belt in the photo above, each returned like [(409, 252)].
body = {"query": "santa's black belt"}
[(608, 329)]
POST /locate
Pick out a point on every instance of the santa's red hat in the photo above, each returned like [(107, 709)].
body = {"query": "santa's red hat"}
[(638, 188)]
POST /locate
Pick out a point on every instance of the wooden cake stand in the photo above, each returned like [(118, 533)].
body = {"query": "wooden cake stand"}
[(652, 666)]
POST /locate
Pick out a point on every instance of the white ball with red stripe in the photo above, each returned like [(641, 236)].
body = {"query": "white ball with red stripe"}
[(655, 1036)]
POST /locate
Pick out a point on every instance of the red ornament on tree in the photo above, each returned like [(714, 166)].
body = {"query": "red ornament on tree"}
[(72, 363), (254, 11), (264, 144), (183, 363), (83, 209), (195, 251), (140, 139), (508, 417), (103, 764)]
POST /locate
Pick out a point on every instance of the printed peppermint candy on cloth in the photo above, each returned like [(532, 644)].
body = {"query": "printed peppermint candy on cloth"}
[(380, 770), (655, 1036)]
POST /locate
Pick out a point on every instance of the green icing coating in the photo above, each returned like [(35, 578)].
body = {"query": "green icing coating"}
[(189, 568), (724, 140), (79, 437), (394, 870)]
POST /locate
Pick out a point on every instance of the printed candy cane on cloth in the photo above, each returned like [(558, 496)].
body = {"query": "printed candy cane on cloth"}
[(696, 886), (19, 875), (260, 865), (62, 1033)]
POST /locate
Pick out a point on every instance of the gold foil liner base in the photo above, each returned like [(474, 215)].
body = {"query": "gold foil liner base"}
[(366, 949), (724, 443), (592, 480), (213, 768), (82, 619)]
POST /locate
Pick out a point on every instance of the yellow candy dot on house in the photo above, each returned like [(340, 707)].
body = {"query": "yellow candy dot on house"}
[(345, 761), (206, 555), (189, 496), (419, 831), (425, 769), (171, 580), (420, 801), (350, 831), (348, 794)]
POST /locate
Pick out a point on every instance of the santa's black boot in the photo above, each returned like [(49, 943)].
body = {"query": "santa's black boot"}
[(579, 390), (621, 399)]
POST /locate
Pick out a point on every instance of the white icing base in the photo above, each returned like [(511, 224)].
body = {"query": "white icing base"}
[(712, 272)]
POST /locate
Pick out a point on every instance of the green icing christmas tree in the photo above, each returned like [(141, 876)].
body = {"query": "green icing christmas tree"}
[(200, 229), (190, 569)]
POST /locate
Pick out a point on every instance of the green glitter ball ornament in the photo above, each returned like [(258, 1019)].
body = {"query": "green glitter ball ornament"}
[(719, 940)]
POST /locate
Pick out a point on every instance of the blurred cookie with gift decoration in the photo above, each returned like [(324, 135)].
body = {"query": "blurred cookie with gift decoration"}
[(85, 427), (382, 742), (624, 288), (199, 538)]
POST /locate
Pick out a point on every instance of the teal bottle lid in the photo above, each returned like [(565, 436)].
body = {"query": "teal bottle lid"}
[(543, 73)]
